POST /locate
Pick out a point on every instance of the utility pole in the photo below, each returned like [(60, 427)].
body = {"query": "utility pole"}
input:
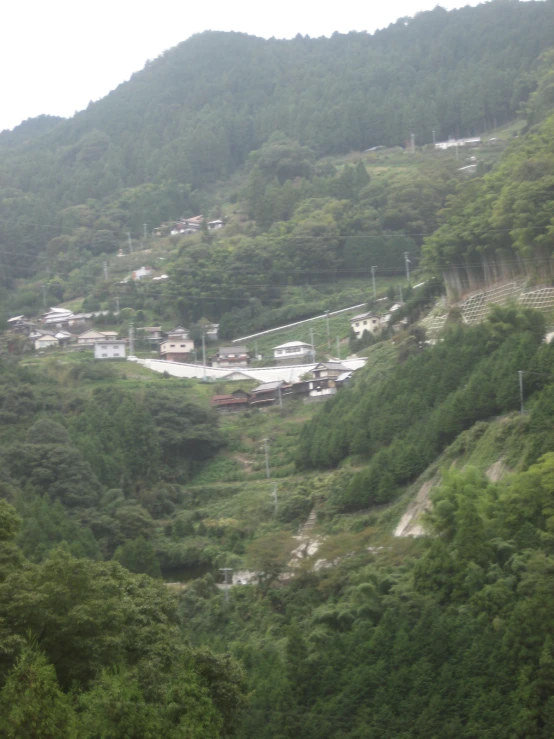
[(457, 152), (412, 138), (130, 242), (275, 499), (256, 348), (313, 344), (280, 395), (204, 352), (44, 296), (131, 340), (105, 268), (117, 307), (520, 373), (328, 332), (373, 280), (407, 260), (338, 348), (145, 226), (227, 571), (434, 139), (400, 293), (266, 452)]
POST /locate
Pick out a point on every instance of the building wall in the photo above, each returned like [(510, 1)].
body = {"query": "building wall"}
[(109, 351)]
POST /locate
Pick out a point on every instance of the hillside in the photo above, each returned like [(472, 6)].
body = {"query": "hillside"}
[(378, 565), (190, 118)]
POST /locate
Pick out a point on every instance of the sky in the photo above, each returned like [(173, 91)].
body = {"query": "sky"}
[(57, 56)]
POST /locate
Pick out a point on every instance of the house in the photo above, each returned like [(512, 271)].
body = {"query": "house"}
[(365, 322), (176, 350), (109, 349), (187, 226), (471, 143), (178, 333), (231, 356), (211, 331), (322, 388), (293, 352), (90, 337), (57, 317), (236, 401), (328, 370), (153, 334), (214, 225), (268, 393), (46, 342), (236, 376), (111, 335), (63, 337), (141, 272)]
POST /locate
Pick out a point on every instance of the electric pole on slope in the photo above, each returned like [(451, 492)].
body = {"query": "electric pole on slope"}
[(267, 473), (313, 344), (130, 242), (412, 139), (407, 260), (227, 571), (338, 348), (328, 332), (373, 280), (117, 307), (434, 139), (131, 340), (145, 227), (105, 269), (268, 476), (520, 373), (204, 353)]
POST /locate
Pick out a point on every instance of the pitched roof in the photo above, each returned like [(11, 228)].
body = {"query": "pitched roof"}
[(267, 386), (332, 365), (291, 344), (359, 317), (233, 350), (91, 334)]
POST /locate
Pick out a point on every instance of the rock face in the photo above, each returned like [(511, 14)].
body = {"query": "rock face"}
[(411, 524)]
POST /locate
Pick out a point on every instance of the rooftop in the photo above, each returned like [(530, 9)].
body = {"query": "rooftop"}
[(266, 386), (291, 344)]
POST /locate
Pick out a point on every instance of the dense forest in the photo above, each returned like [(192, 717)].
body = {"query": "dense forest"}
[(501, 224), (148, 150)]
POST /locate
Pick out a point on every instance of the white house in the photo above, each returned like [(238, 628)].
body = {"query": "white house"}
[(109, 349), (141, 272), (293, 352), (46, 341), (458, 142), (365, 322)]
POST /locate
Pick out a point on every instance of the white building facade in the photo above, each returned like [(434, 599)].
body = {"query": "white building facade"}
[(365, 322), (109, 350), (293, 352)]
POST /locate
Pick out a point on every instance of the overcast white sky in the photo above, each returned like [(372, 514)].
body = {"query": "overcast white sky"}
[(57, 55)]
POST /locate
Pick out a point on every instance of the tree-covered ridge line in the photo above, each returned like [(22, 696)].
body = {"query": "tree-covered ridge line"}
[(148, 150)]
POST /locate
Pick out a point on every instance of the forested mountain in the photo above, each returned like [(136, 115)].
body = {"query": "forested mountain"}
[(193, 116), (501, 224)]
